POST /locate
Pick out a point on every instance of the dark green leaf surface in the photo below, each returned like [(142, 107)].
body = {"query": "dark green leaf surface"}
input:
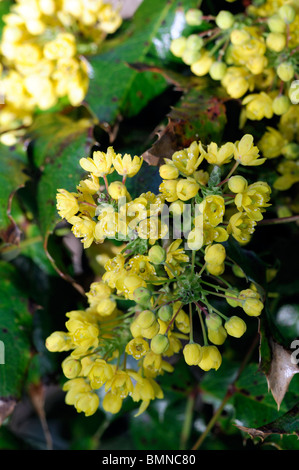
[(116, 90), (57, 146), (12, 177), (15, 332)]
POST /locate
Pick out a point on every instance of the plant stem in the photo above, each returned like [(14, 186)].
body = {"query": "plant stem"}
[(204, 333), (187, 425), (282, 220), (230, 392)]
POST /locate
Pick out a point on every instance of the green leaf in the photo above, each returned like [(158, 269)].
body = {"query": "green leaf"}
[(199, 115), (15, 334), (12, 177), (250, 263), (116, 90), (4, 9), (57, 145)]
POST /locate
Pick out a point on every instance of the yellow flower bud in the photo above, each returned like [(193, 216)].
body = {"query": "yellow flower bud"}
[(287, 13), (233, 293), (87, 403), (276, 41), (202, 66), (58, 341), (281, 105), (253, 307), (285, 71), (211, 358), (215, 269), (112, 403), (213, 321), (192, 354), (218, 70), (217, 336), (239, 37), (168, 172), (193, 17), (187, 189), (157, 254), (235, 326), (71, 367), (146, 318), (276, 24), (151, 331), (224, 19), (237, 184), (215, 254), (159, 344), (165, 313), (117, 190), (178, 45)]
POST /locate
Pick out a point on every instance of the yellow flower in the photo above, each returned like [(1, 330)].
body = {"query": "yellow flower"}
[(112, 403), (168, 188), (100, 164), (237, 81), (67, 204), (137, 347), (254, 200), (126, 284), (175, 258), (63, 46), (152, 229), (126, 165), (187, 188), (80, 394), (215, 254), (241, 227), (120, 384), (272, 143), (59, 341), (235, 326), (83, 227), (202, 66), (169, 171), (213, 209), (219, 156), (246, 152), (140, 264), (217, 336), (192, 353), (211, 358), (84, 335), (289, 175), (188, 160), (145, 390), (99, 373), (258, 106)]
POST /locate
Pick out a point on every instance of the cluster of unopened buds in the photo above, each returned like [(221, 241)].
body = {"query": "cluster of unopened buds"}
[(157, 295), (253, 55), (42, 56)]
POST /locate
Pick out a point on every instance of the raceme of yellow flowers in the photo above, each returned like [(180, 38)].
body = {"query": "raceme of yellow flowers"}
[(253, 55), (155, 298), (41, 56)]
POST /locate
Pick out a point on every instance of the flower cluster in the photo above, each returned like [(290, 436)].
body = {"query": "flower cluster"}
[(253, 55), (156, 297), (41, 56)]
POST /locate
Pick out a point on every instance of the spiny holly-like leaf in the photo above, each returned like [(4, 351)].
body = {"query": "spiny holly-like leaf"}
[(57, 145), (116, 90), (15, 334), (286, 424), (12, 177), (198, 115)]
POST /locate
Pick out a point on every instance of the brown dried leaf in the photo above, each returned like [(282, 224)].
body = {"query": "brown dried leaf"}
[(281, 371)]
